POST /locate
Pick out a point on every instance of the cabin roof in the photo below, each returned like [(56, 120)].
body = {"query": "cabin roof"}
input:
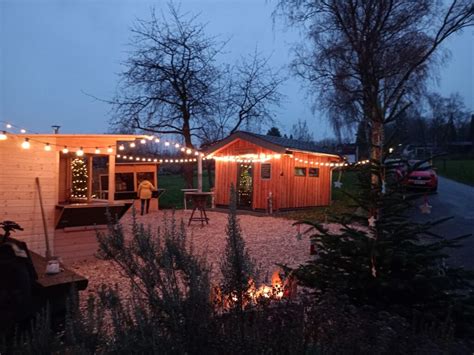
[(277, 144)]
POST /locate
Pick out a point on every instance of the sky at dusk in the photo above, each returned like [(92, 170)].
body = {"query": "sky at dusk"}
[(52, 52)]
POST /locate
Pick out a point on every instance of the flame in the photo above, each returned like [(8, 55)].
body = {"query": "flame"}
[(276, 291)]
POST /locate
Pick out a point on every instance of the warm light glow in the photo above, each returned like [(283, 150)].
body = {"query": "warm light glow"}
[(157, 140), (65, 150), (142, 141), (121, 147), (3, 136), (167, 144), (176, 145), (97, 151), (22, 130), (183, 149), (196, 153), (26, 144), (150, 138), (80, 152), (110, 149), (9, 125), (47, 147), (132, 145), (188, 151)]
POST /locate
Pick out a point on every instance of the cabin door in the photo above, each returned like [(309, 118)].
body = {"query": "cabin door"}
[(244, 185)]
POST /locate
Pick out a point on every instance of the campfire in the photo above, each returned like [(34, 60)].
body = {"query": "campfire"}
[(254, 295)]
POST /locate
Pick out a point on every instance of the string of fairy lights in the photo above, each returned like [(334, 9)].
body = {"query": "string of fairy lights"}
[(27, 141), (191, 155)]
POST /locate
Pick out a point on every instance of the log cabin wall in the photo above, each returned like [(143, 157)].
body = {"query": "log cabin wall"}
[(19, 200), (288, 190)]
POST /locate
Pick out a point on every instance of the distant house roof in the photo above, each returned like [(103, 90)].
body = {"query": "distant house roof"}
[(277, 144)]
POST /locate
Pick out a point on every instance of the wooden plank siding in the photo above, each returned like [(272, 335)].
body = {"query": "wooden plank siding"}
[(19, 199), (288, 191)]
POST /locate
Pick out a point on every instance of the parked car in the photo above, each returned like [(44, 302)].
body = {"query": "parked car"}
[(420, 175)]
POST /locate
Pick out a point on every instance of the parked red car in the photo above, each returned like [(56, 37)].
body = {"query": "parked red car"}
[(422, 176)]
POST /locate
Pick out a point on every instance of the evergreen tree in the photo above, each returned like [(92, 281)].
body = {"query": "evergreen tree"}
[(274, 131), (237, 268), (79, 178), (383, 259)]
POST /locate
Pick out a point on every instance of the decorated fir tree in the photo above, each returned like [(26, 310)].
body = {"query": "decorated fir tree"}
[(382, 258), (79, 179)]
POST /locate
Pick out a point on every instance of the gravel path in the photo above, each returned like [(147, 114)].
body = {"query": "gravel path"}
[(270, 240)]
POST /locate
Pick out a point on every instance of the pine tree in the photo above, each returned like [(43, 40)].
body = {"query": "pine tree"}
[(274, 131), (79, 178), (237, 268), (383, 259)]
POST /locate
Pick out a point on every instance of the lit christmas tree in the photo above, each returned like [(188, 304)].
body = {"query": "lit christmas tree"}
[(79, 178)]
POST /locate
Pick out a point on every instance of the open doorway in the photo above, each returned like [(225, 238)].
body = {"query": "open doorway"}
[(244, 186)]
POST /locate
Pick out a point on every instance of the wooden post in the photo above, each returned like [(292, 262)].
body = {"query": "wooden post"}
[(199, 172), (45, 224), (89, 180), (111, 189)]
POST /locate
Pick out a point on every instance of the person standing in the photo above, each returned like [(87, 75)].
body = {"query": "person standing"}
[(145, 192)]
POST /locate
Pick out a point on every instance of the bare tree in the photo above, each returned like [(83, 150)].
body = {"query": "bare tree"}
[(248, 91), (372, 57), (169, 78), (173, 84), (300, 131)]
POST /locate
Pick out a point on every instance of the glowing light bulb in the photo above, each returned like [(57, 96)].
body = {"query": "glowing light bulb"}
[(9, 125), (167, 144), (143, 141), (110, 149), (65, 150), (188, 151), (176, 145), (22, 130), (150, 138), (97, 151), (26, 144), (157, 140), (121, 147), (132, 145), (118, 155), (47, 147), (80, 152), (3, 136)]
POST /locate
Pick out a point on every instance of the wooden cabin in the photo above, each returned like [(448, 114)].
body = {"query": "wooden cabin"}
[(271, 173), (73, 211)]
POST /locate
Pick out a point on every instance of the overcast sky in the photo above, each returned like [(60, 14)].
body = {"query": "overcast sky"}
[(52, 51)]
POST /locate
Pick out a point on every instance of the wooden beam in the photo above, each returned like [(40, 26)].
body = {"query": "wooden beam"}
[(90, 179), (199, 173), (111, 189)]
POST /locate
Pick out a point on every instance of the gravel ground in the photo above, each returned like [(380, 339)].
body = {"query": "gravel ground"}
[(270, 240)]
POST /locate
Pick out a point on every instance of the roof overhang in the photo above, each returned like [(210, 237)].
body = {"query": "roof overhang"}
[(226, 142)]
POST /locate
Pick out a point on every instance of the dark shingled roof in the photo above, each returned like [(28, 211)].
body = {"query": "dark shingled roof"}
[(272, 142), (290, 143)]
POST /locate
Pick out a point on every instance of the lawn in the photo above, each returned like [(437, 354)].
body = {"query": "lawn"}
[(461, 170), (173, 197)]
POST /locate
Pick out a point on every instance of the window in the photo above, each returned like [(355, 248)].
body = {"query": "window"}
[(313, 172), (123, 182), (300, 171), (266, 171)]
